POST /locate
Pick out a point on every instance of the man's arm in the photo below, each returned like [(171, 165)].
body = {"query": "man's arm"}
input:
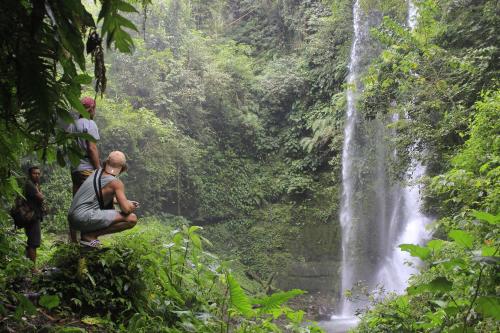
[(93, 154), (32, 192), (126, 206), (39, 196), (92, 150)]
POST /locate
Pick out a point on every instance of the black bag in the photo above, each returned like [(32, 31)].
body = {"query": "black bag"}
[(22, 213)]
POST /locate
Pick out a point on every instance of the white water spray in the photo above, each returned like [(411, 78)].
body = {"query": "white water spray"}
[(375, 216)]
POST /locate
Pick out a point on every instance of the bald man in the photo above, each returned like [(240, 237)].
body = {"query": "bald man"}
[(92, 211)]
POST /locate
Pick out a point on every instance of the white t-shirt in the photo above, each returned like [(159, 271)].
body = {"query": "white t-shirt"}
[(88, 126)]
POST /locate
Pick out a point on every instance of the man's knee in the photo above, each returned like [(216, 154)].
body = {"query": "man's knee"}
[(132, 220)]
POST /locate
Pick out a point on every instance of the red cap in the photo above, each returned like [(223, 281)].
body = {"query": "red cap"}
[(88, 102)]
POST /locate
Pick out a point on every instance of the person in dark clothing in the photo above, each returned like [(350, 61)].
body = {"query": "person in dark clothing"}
[(35, 199)]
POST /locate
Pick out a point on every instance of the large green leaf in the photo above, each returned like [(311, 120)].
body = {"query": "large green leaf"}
[(194, 228), (83, 79), (196, 240), (435, 244), (73, 98), (15, 186), (49, 301), (487, 217), (489, 251), (416, 250), (451, 263), (439, 284), (113, 25), (125, 23), (489, 306), (74, 155), (461, 237), (125, 7), (239, 299)]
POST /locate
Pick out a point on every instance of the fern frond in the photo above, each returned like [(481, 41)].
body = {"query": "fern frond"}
[(239, 299), (268, 303)]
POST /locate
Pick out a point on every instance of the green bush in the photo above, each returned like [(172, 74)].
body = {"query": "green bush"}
[(155, 278)]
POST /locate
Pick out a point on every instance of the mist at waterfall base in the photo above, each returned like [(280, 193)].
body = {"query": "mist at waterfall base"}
[(376, 215)]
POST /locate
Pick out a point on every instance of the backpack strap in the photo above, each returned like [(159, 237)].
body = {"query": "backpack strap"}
[(98, 187)]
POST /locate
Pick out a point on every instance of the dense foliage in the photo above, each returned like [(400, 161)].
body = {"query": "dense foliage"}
[(211, 125), (42, 70), (231, 115)]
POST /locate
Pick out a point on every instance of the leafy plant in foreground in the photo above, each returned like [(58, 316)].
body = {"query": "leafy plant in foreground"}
[(456, 293), (155, 279)]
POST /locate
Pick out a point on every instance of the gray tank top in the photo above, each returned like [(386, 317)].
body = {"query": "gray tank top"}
[(85, 200)]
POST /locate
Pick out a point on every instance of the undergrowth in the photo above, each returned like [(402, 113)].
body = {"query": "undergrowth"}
[(154, 278)]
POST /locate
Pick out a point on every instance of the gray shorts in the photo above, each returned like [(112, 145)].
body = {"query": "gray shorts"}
[(94, 220)]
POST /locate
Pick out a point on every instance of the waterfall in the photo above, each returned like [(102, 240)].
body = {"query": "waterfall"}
[(363, 189), (376, 216), (412, 15), (396, 270), (348, 154)]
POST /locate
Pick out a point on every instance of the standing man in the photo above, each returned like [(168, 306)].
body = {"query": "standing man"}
[(90, 161), (35, 200)]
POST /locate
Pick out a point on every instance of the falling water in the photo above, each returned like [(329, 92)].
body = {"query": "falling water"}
[(376, 216), (412, 15), (348, 157), (398, 267)]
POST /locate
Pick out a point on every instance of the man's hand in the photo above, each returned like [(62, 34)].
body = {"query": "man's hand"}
[(134, 203)]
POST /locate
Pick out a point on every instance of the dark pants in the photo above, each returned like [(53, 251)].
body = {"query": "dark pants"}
[(78, 177), (34, 234)]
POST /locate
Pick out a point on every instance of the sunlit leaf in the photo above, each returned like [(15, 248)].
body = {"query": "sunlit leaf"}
[(435, 244), (196, 240), (93, 321), (238, 298), (194, 228), (487, 217), (489, 251), (49, 301), (416, 250), (461, 237)]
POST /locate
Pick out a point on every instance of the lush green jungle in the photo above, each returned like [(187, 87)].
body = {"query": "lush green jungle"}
[(231, 114)]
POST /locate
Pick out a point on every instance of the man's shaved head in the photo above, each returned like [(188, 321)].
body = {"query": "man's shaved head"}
[(115, 163)]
